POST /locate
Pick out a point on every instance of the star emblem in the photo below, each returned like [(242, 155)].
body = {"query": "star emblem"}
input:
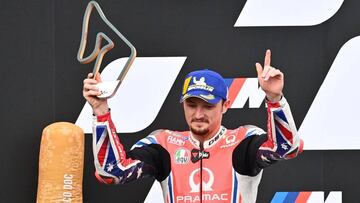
[(139, 172), (284, 146), (110, 167)]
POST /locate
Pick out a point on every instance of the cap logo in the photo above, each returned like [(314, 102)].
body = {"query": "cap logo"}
[(200, 84), (201, 81), (204, 84)]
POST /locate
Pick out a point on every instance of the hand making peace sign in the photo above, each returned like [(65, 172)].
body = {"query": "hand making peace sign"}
[(271, 80)]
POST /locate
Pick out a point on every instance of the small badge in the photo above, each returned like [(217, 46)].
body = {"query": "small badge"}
[(182, 156)]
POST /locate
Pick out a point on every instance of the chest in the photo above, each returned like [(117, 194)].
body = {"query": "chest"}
[(210, 169)]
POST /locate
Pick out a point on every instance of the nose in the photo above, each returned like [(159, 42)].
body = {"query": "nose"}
[(199, 113)]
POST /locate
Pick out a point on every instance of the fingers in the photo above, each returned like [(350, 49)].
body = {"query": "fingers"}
[(259, 69), (90, 75), (267, 60), (89, 81), (265, 71), (262, 72), (89, 87), (268, 71), (90, 91), (272, 72), (97, 77), (275, 72)]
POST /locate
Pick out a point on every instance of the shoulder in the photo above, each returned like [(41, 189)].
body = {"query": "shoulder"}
[(251, 130), (163, 136), (148, 140), (245, 131)]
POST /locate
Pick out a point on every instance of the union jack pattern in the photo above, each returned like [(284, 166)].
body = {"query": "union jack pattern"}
[(112, 165), (160, 155), (283, 142)]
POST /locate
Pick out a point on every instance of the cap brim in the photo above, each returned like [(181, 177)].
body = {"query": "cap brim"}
[(209, 98)]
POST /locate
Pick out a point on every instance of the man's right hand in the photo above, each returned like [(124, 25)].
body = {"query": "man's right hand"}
[(90, 93)]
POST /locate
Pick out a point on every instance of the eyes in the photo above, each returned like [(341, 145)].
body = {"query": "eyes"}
[(209, 106), (195, 105)]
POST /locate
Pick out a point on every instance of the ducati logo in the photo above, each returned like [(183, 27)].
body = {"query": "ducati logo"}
[(207, 186)]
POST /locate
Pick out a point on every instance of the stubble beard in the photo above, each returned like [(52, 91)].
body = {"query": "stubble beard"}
[(200, 131)]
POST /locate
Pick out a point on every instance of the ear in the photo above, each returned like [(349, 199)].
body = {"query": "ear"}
[(226, 105)]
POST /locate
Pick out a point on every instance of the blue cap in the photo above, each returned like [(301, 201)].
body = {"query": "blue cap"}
[(205, 84)]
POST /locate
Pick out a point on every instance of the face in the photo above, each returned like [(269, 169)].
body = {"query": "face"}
[(204, 119)]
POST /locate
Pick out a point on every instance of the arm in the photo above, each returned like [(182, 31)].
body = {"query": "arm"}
[(282, 139), (259, 149), (114, 165), (111, 164)]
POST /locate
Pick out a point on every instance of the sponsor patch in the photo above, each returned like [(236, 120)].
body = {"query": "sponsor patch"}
[(176, 140), (182, 156)]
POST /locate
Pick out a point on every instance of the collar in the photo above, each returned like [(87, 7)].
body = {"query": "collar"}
[(211, 142)]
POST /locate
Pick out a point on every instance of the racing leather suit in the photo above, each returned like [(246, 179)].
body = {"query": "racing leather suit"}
[(226, 168)]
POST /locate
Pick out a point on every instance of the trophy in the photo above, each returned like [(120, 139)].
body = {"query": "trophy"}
[(107, 89)]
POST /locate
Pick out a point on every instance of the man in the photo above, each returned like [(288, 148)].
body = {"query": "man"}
[(209, 163)]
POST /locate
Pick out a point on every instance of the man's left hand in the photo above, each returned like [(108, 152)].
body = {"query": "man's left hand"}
[(271, 80)]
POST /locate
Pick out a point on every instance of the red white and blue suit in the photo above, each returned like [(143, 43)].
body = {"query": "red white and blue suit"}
[(226, 168)]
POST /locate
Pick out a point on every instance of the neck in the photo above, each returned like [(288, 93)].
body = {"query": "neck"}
[(207, 136), (211, 141)]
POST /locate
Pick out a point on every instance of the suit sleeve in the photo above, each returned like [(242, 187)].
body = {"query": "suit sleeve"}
[(283, 141), (259, 149), (114, 165)]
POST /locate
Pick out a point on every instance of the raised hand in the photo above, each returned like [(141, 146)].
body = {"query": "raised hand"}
[(90, 93), (271, 80)]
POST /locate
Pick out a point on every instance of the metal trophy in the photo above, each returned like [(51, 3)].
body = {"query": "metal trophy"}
[(109, 88)]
